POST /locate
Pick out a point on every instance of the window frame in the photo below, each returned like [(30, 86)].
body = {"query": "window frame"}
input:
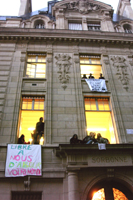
[(35, 64), (75, 23), (33, 103), (97, 107), (90, 57)]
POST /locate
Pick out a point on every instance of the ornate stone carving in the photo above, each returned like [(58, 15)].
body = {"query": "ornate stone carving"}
[(63, 63), (49, 60), (83, 6), (121, 66)]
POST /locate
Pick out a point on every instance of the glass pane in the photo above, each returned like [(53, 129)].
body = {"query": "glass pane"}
[(95, 61), (84, 60), (99, 195), (41, 58), (27, 104), (90, 104), (30, 71), (28, 123), (40, 70), (39, 104), (74, 26), (31, 58), (100, 122), (103, 104), (118, 195), (95, 70)]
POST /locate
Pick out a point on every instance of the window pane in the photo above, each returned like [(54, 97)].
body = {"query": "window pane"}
[(90, 104), (28, 122), (27, 104), (39, 104), (74, 26), (31, 58), (90, 65), (40, 71), (103, 104), (30, 71), (95, 70), (41, 58), (84, 60), (95, 61), (100, 122)]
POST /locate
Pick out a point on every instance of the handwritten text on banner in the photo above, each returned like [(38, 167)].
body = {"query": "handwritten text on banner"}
[(98, 85), (23, 160)]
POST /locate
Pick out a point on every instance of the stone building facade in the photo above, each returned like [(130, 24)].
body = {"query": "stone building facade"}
[(43, 58)]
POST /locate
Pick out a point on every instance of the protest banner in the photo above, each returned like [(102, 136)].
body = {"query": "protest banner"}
[(23, 160), (97, 85)]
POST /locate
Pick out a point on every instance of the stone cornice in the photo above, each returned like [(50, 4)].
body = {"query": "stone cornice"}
[(53, 35), (66, 149)]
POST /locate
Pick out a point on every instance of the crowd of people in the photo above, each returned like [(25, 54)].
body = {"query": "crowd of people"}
[(37, 133), (89, 139), (92, 77)]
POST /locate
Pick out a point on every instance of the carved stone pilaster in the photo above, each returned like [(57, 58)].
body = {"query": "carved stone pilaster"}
[(63, 63), (76, 60), (49, 60), (120, 64)]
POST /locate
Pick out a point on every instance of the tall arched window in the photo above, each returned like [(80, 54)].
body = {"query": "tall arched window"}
[(127, 28), (39, 24)]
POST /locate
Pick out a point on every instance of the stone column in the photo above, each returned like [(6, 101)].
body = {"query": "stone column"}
[(106, 22), (84, 23), (78, 94), (16, 81), (47, 131), (73, 193), (60, 19)]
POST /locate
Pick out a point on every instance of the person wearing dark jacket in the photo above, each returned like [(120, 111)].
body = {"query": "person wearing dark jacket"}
[(21, 140), (75, 140), (39, 130), (90, 139)]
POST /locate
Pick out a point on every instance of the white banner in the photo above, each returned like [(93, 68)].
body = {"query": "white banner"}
[(98, 85), (23, 160)]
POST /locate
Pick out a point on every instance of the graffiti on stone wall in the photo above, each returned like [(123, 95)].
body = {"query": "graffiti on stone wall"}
[(63, 64), (120, 64)]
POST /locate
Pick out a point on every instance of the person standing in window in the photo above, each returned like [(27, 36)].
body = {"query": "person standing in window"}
[(39, 130), (90, 77), (101, 76)]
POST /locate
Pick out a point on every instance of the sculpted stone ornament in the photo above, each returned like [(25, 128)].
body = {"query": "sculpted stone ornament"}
[(63, 64), (83, 6), (121, 66)]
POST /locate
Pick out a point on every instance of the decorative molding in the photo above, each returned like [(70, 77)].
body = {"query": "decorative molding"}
[(49, 60), (121, 66), (76, 60), (63, 63), (83, 6)]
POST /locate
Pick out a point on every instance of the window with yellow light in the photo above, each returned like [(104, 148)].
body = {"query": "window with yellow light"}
[(90, 64), (36, 66), (32, 110), (98, 117)]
